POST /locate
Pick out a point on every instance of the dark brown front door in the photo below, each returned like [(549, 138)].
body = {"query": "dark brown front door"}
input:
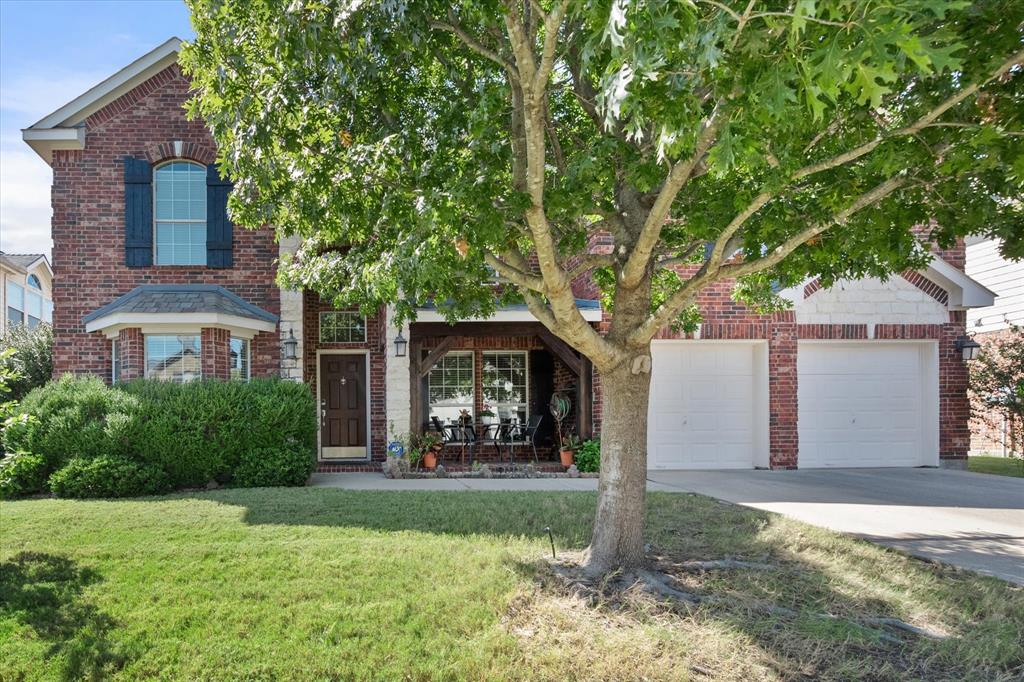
[(342, 406)]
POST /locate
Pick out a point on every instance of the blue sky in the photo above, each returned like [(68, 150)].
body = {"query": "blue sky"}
[(51, 51)]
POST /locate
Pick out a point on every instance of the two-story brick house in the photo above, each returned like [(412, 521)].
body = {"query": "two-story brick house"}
[(152, 279)]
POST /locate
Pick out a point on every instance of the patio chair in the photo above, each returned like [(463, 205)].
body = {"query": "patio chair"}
[(463, 437), (523, 434)]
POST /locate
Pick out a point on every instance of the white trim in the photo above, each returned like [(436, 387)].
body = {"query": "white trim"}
[(433, 315), (178, 323), (45, 141), (115, 353), (96, 97), (248, 357), (964, 291), (319, 387)]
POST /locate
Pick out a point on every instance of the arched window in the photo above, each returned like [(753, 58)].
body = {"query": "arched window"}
[(33, 281), (179, 189)]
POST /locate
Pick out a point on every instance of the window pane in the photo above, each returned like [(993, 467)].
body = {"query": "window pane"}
[(239, 359), (34, 282), (342, 327), (35, 304), (15, 296), (48, 311), (505, 384), (180, 196), (15, 316), (173, 358), (115, 361), (450, 385)]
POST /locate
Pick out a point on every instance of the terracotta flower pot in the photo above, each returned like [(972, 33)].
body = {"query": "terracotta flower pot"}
[(567, 457), (430, 459)]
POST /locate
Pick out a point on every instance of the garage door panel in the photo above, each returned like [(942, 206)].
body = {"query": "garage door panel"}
[(860, 404), (702, 412)]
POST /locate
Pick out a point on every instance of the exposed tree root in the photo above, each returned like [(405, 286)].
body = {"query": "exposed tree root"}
[(663, 586)]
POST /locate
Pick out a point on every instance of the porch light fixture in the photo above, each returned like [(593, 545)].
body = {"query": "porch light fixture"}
[(290, 345), (400, 344), (968, 347)]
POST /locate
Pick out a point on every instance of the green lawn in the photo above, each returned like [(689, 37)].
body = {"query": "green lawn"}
[(329, 584), (1001, 466)]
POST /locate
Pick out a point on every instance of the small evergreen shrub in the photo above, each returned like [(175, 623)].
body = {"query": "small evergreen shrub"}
[(284, 466), (588, 457), (193, 433), (21, 473), (107, 476), (74, 417)]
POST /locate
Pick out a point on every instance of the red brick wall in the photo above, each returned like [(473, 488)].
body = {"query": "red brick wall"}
[(215, 348), (375, 345), (133, 354), (88, 225)]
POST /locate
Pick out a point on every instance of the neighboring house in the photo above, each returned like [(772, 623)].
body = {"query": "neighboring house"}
[(26, 281), (153, 280), (1006, 279)]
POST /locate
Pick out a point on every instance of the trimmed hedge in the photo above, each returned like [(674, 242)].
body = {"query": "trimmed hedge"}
[(107, 476), (193, 433)]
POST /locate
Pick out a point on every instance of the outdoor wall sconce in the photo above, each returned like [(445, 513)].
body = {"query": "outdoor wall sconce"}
[(968, 347), (400, 344), (290, 345)]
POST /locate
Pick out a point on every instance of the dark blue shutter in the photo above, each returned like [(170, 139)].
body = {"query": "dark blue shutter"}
[(138, 213), (219, 230)]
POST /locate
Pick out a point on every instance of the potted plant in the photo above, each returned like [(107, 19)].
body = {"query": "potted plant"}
[(487, 416), (567, 449), (430, 445)]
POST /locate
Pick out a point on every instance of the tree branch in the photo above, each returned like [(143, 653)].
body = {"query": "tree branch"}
[(685, 295), (474, 44), (590, 261), (636, 266), (515, 275)]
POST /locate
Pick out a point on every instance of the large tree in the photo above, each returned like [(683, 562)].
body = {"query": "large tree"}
[(417, 146)]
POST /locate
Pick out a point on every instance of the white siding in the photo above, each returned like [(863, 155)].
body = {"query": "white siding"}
[(1005, 278)]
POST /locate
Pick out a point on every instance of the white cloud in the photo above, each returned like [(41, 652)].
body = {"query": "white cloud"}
[(24, 200)]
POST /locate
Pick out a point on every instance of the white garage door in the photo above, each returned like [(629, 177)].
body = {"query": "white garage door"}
[(702, 408), (867, 404)]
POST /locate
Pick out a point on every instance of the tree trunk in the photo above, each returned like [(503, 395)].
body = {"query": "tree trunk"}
[(618, 540)]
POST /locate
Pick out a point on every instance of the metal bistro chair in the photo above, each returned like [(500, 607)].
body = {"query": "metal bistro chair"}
[(464, 437), (523, 434)]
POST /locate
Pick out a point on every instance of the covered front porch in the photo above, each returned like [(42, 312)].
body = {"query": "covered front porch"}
[(497, 378)]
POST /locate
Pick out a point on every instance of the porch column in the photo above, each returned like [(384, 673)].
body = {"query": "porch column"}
[(291, 317), (215, 351), (132, 354), (398, 386)]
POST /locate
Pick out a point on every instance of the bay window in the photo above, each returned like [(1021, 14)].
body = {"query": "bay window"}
[(239, 360), (173, 357)]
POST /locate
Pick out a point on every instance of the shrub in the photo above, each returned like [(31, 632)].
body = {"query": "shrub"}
[(22, 473), (265, 467), (74, 417), (31, 359), (200, 431), (193, 432), (107, 476), (588, 457)]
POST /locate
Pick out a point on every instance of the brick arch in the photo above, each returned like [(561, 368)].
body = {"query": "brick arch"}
[(917, 279), (190, 151)]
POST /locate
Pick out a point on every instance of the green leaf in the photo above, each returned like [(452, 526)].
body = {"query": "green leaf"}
[(870, 83)]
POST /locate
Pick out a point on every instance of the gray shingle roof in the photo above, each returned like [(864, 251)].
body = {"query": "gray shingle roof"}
[(181, 298), (20, 260)]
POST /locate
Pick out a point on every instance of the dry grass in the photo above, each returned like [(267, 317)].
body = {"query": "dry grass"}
[(330, 584)]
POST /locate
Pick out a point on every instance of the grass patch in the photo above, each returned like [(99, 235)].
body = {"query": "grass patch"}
[(332, 584), (1000, 466)]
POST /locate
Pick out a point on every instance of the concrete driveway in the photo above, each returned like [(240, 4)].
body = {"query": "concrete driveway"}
[(971, 520)]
